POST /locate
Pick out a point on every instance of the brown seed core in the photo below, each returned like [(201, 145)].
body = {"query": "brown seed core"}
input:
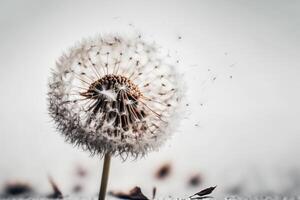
[(122, 107), (112, 82)]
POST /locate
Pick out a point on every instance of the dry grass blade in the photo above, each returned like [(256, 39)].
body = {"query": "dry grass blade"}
[(57, 194)]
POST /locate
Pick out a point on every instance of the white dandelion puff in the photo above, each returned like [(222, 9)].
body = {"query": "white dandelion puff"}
[(114, 95)]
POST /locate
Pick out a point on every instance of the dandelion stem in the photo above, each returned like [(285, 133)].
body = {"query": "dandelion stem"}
[(104, 179)]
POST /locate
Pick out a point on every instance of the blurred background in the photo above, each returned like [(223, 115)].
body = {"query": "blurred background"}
[(240, 61)]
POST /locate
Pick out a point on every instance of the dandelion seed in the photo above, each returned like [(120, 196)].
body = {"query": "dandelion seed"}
[(114, 96)]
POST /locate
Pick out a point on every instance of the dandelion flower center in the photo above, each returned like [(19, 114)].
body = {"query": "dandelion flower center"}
[(117, 96), (114, 83)]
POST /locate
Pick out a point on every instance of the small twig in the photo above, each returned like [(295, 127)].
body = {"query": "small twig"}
[(57, 194)]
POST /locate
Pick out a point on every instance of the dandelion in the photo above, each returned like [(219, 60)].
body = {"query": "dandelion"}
[(114, 96)]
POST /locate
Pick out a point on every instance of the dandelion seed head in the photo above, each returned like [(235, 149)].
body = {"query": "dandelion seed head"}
[(114, 94)]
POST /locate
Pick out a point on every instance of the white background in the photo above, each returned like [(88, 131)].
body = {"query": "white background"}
[(242, 130)]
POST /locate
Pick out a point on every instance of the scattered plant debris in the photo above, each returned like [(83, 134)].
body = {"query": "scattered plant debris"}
[(195, 180), (164, 171), (81, 172), (203, 193), (17, 188), (133, 194), (77, 188), (57, 194), (153, 192)]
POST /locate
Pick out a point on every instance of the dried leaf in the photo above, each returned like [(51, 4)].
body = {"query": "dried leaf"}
[(133, 194), (204, 192)]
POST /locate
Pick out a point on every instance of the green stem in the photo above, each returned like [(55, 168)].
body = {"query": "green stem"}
[(104, 178)]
